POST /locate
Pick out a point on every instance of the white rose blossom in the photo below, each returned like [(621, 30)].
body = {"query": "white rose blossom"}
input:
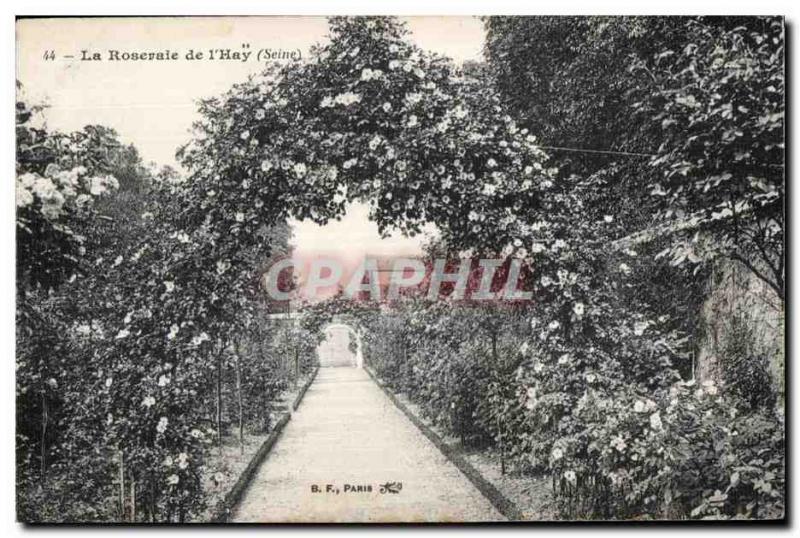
[(161, 427), (347, 98), (655, 421), (299, 170), (173, 332)]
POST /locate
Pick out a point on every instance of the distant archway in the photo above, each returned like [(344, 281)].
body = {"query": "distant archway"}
[(336, 350)]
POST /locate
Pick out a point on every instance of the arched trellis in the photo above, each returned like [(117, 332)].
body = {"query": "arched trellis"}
[(374, 119), (338, 311), (335, 324)]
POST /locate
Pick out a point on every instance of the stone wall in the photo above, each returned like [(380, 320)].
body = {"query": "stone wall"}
[(735, 292)]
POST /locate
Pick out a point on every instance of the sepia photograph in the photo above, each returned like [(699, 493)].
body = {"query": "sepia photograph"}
[(399, 269)]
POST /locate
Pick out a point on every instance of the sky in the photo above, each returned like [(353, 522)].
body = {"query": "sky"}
[(153, 104)]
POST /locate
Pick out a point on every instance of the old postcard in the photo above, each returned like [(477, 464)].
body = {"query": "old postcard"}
[(400, 269)]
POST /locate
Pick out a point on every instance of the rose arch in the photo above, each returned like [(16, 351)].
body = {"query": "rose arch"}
[(370, 117)]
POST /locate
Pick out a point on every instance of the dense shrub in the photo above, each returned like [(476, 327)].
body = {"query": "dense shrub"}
[(618, 440)]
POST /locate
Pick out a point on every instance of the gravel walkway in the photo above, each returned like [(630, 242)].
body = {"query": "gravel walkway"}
[(345, 441)]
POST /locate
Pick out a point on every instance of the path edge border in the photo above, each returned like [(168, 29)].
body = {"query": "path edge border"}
[(503, 504), (299, 397), (225, 507)]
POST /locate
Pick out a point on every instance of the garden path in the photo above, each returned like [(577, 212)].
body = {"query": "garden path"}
[(346, 433)]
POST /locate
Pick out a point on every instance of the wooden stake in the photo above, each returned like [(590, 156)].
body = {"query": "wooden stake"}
[(122, 485), (238, 366), (219, 400), (296, 366), (133, 501), (43, 448)]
